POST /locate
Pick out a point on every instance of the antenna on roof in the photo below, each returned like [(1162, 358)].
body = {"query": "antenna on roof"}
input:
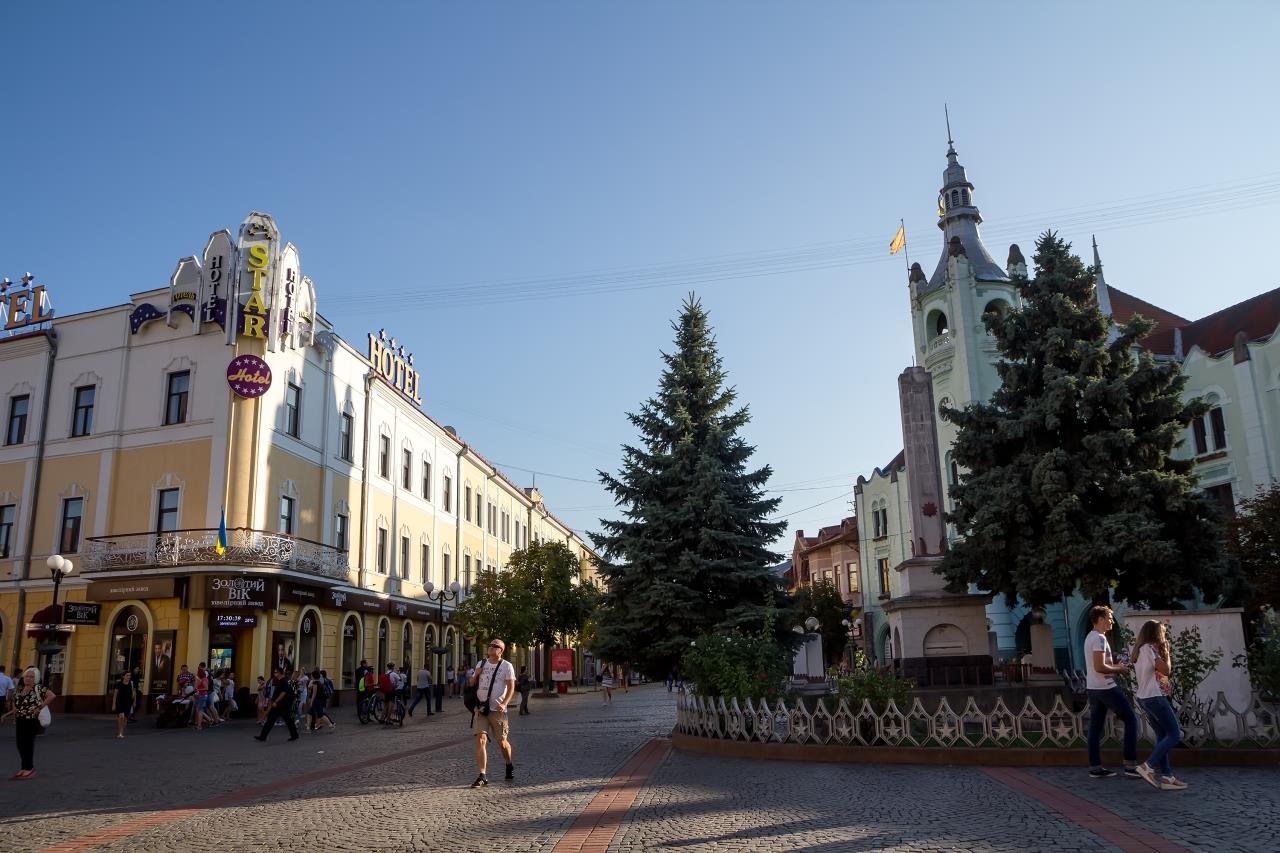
[(947, 113)]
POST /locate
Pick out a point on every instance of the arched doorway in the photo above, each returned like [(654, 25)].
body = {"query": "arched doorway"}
[(309, 640), (350, 650), (383, 656), (128, 650), (406, 646)]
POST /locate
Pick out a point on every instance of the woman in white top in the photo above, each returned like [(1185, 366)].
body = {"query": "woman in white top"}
[(1151, 664)]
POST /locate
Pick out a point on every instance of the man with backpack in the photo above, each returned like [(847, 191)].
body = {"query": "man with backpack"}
[(389, 686)]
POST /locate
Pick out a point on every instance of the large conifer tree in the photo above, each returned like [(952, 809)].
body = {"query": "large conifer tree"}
[(691, 552), (1070, 484)]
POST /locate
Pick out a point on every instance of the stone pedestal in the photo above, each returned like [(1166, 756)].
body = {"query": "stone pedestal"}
[(939, 637), (1042, 661)]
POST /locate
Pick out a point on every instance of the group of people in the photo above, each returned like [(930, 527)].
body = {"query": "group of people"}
[(293, 699), (1150, 661), (212, 694)]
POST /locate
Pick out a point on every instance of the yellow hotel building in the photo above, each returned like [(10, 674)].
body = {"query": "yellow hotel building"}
[(129, 429)]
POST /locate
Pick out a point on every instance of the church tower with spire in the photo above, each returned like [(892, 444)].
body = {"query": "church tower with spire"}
[(947, 307)]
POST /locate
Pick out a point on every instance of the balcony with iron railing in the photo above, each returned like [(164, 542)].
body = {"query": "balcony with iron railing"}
[(199, 547)]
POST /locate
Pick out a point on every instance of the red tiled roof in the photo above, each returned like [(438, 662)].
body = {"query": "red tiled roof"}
[(1257, 317), (1125, 305)]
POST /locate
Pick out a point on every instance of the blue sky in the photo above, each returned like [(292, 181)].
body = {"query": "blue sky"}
[(524, 193)]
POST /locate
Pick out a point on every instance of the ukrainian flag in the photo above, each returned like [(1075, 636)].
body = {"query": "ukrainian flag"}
[(221, 547)]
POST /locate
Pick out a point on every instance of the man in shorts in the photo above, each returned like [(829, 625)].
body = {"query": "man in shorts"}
[(495, 681)]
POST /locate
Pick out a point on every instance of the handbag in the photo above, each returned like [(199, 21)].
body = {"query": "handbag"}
[(44, 718), (471, 694)]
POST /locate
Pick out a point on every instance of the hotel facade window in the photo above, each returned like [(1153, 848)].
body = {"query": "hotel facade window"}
[(340, 540), (286, 514), (16, 433), (384, 457), (406, 469), (403, 570), (446, 567), (167, 510), (7, 514), (466, 502), (426, 562), (448, 493), (72, 511), (82, 417), (426, 480), (346, 426), (292, 409), (175, 407), (381, 557)]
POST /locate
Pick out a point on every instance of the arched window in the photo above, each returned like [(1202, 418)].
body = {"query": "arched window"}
[(309, 640), (406, 646), (1210, 429), (383, 655), (936, 324), (964, 197), (955, 198), (350, 651)]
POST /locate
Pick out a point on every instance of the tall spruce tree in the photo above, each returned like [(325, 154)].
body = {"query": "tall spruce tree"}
[(1070, 483), (691, 553)]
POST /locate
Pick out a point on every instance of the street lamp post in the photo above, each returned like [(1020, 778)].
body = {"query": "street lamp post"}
[(448, 594), (59, 568)]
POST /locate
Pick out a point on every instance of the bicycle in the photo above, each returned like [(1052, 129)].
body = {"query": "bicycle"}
[(387, 713), (363, 710)]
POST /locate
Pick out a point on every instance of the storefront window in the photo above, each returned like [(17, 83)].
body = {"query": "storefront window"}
[(222, 649), (308, 632), (128, 643), (350, 652), (406, 650), (382, 646)]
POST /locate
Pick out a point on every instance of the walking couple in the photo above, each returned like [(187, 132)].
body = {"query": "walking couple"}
[(1150, 660)]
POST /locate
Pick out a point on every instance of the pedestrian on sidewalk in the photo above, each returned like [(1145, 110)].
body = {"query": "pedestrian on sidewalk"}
[(30, 697), (282, 699), (264, 700), (522, 684), (6, 687), (1106, 696), (449, 680), (495, 682), (122, 701), (423, 690), (1151, 663), (318, 700), (229, 705), (139, 701), (606, 684), (362, 693)]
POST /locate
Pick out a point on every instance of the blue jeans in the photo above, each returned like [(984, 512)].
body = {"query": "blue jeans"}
[(423, 693), (1165, 723), (1112, 699)]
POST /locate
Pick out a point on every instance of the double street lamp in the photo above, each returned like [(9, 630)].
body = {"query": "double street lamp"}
[(449, 593), (59, 568)]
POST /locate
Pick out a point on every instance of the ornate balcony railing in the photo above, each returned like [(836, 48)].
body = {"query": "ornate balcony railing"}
[(1205, 722), (199, 547)]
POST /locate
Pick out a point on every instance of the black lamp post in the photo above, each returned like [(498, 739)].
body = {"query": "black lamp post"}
[(449, 594), (59, 568)]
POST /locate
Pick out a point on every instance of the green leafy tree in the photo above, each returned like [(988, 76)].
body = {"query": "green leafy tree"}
[(821, 601), (1070, 483), (499, 606), (1254, 542), (549, 577), (691, 551)]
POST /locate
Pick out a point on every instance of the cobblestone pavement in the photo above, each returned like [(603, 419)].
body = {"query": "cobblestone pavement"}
[(374, 788)]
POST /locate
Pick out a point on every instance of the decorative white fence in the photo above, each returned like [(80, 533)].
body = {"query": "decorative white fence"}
[(1214, 723)]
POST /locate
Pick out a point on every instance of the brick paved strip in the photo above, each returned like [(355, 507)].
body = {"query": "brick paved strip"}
[(125, 829), (1102, 822), (598, 823)]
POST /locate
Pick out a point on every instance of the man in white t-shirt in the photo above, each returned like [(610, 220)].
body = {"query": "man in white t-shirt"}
[(6, 685), (1105, 695), (495, 681)]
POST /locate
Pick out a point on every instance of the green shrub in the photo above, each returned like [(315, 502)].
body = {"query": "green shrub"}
[(866, 683), (1262, 658), (734, 664)]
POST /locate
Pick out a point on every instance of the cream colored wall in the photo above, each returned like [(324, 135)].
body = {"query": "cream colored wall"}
[(138, 474), (281, 467)]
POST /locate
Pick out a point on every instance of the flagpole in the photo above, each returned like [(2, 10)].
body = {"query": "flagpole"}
[(906, 250)]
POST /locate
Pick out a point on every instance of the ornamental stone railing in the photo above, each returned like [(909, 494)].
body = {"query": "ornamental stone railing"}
[(1211, 722), (199, 547)]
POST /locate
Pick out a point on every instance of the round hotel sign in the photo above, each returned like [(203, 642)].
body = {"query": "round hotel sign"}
[(249, 376)]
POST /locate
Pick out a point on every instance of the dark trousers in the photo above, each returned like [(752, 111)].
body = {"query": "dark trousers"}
[(1165, 724), (279, 712), (423, 693), (524, 701), (27, 731), (1114, 700)]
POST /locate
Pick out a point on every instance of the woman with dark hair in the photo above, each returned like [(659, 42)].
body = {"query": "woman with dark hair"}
[(316, 701), (122, 701), (1151, 663)]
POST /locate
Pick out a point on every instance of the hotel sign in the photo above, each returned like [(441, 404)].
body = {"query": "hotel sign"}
[(249, 375), (394, 366), (28, 306)]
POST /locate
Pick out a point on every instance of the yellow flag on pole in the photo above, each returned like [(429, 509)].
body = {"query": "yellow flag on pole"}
[(899, 240)]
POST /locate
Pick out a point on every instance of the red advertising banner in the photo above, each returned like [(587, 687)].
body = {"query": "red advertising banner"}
[(562, 664)]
